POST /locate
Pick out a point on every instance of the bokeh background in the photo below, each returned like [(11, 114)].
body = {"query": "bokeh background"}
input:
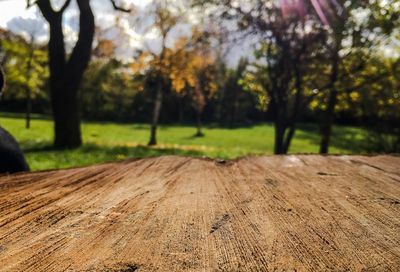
[(221, 79)]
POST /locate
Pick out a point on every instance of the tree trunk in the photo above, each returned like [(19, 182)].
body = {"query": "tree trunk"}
[(28, 89), (326, 127), (280, 74), (66, 76), (199, 133), (288, 138), (295, 116), (28, 109), (156, 115), (279, 138), (181, 110), (279, 123), (233, 107), (66, 116)]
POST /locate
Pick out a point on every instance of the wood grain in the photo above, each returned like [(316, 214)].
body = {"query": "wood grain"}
[(274, 213)]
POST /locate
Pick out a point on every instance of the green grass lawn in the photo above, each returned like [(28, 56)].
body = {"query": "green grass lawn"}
[(105, 142)]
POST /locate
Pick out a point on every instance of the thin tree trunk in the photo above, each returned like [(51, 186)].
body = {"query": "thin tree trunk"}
[(28, 89), (328, 122), (156, 115), (28, 109), (326, 128), (181, 109), (279, 129), (279, 135), (296, 108), (280, 75), (233, 117), (199, 133)]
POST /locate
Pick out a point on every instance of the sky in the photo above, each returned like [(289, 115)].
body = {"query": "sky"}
[(16, 17), (10, 8)]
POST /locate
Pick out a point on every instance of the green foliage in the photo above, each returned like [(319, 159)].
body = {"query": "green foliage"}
[(385, 15), (367, 88), (108, 90), (255, 80), (26, 69)]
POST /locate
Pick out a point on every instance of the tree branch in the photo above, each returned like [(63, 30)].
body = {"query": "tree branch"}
[(116, 7), (64, 7), (81, 53), (46, 9), (29, 3)]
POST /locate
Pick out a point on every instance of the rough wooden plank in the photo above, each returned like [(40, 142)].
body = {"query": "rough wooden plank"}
[(175, 214)]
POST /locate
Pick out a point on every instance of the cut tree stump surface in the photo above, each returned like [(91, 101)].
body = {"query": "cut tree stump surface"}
[(273, 213)]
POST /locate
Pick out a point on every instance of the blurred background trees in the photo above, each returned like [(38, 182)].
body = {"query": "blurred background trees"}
[(25, 63), (321, 62)]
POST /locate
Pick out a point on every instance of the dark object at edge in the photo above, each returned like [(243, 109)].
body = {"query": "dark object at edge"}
[(12, 159)]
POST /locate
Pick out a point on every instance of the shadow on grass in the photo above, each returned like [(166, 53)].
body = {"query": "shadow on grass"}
[(46, 156), (346, 138), (139, 150), (235, 126), (34, 116), (194, 136)]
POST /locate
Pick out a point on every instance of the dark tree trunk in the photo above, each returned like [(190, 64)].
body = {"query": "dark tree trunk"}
[(279, 103), (326, 129), (280, 127), (199, 133), (156, 115), (66, 76), (181, 110), (298, 104), (28, 89), (280, 74), (28, 109), (279, 135), (66, 119), (233, 113), (326, 126)]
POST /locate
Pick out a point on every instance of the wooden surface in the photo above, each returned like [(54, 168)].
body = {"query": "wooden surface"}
[(276, 213)]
